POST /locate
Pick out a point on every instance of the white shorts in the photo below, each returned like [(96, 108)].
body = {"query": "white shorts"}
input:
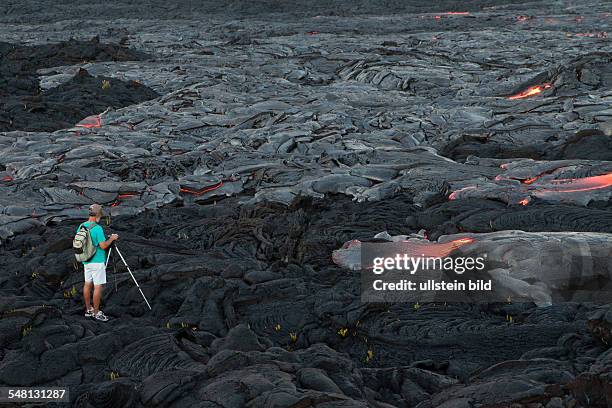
[(96, 273)]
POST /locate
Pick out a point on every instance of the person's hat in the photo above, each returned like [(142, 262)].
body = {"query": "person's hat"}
[(95, 209)]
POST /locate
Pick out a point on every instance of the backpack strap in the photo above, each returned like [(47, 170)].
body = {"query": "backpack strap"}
[(93, 224)]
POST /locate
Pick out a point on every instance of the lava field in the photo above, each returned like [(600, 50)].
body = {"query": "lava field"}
[(245, 150)]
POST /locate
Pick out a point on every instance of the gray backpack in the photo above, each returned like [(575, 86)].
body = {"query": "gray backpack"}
[(83, 245)]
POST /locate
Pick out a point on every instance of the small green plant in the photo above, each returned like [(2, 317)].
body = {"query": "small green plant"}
[(113, 375), (369, 356), (293, 337), (277, 328), (416, 306), (106, 84), (509, 318), (68, 294), (26, 330), (343, 332)]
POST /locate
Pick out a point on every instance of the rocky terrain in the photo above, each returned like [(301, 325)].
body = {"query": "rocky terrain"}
[(244, 151)]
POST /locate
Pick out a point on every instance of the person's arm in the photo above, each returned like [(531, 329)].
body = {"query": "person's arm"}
[(106, 244), (103, 242)]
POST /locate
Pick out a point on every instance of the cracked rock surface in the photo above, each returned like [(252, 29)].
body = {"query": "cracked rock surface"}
[(244, 151)]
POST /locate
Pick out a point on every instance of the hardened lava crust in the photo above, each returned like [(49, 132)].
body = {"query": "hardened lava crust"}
[(244, 151)]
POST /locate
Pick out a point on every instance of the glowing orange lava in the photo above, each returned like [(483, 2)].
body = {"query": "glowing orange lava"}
[(433, 249), (454, 194), (121, 197), (350, 252), (202, 191), (531, 180), (451, 13), (90, 122), (524, 201), (581, 184), (532, 90)]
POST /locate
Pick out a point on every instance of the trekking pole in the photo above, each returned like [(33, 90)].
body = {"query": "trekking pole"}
[(115, 267), (108, 257), (132, 275)]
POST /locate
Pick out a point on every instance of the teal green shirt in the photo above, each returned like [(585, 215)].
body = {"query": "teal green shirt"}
[(97, 236)]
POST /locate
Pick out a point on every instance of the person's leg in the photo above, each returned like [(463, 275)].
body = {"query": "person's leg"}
[(97, 295), (87, 294), (99, 280), (88, 283)]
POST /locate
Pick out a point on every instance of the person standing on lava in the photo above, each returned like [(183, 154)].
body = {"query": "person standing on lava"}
[(95, 267)]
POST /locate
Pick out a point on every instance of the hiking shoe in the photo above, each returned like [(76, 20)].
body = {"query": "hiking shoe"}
[(101, 316), (89, 312)]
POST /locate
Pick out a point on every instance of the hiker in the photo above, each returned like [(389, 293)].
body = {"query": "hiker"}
[(95, 267)]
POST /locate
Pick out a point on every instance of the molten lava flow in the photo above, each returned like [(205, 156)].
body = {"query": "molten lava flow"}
[(90, 122), (451, 13), (202, 191), (531, 180), (581, 184), (532, 90), (123, 196), (433, 249), (454, 194), (349, 255), (524, 201)]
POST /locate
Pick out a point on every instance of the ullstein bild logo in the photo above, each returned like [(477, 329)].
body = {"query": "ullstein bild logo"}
[(411, 265), (390, 273), (445, 272)]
